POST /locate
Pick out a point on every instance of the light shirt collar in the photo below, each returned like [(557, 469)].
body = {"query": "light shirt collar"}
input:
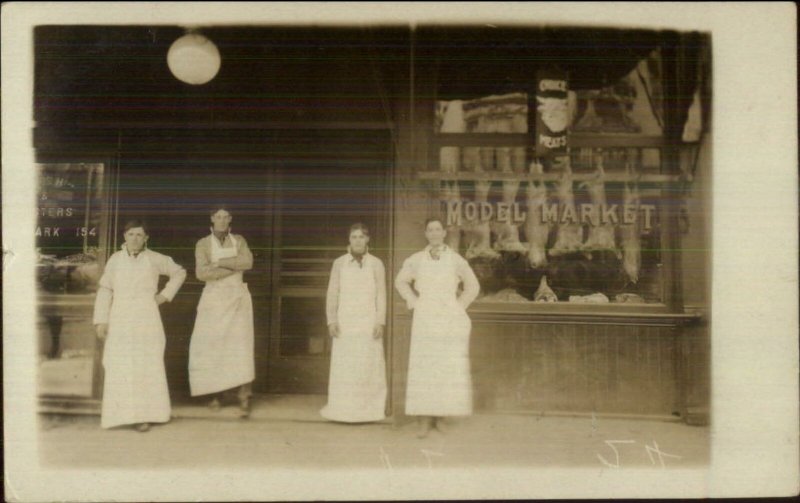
[(128, 252), (442, 250), (214, 234), (353, 257)]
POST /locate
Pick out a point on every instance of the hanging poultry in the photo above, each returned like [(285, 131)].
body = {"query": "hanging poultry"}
[(589, 121), (536, 230), (452, 122), (480, 233), (631, 233), (507, 232), (569, 237), (601, 234), (451, 193)]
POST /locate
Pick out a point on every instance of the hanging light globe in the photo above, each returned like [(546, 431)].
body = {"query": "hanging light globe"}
[(194, 59)]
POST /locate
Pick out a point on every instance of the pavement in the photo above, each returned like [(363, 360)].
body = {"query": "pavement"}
[(287, 432)]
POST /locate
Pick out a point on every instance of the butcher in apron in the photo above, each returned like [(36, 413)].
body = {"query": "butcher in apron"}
[(127, 318), (439, 382), (221, 349), (356, 315)]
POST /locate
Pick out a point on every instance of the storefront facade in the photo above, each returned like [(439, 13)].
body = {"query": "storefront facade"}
[(307, 130)]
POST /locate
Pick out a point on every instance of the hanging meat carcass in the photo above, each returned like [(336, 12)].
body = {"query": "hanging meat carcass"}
[(451, 194), (519, 124), (601, 235), (631, 233), (452, 122), (450, 162), (536, 230), (502, 154), (589, 121), (507, 232), (569, 237), (480, 233), (504, 113)]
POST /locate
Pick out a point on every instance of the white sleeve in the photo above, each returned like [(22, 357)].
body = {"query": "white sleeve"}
[(471, 285), (405, 277), (105, 294), (332, 297), (176, 273)]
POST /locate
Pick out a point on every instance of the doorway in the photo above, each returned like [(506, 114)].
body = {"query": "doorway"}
[(174, 193), (325, 182), (293, 196)]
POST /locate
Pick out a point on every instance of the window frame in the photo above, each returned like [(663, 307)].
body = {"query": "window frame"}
[(427, 175)]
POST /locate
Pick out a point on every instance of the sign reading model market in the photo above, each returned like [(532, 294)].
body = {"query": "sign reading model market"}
[(591, 214)]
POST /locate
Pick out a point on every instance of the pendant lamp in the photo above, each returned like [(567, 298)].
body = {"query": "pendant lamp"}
[(194, 59)]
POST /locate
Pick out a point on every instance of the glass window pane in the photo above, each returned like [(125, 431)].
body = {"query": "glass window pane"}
[(632, 105), (502, 113), (68, 240), (68, 227), (66, 353), (515, 233)]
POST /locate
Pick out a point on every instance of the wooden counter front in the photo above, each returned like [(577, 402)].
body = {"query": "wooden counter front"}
[(588, 359)]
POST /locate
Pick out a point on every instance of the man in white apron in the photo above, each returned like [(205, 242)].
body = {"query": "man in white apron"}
[(127, 318), (356, 314), (439, 381), (221, 349)]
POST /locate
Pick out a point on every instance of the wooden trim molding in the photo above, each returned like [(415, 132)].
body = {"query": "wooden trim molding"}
[(651, 316)]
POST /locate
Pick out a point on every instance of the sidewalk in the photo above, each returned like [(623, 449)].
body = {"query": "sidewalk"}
[(297, 408), (287, 432)]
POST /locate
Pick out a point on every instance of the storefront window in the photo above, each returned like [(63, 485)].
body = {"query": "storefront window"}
[(502, 113), (579, 223), (524, 239), (68, 240), (506, 113), (633, 104)]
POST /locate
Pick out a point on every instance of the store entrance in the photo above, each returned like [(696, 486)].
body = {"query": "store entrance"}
[(324, 182), (293, 198), (174, 192)]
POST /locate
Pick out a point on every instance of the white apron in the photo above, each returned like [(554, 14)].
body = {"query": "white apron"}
[(221, 348), (357, 385), (439, 381), (135, 386)]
